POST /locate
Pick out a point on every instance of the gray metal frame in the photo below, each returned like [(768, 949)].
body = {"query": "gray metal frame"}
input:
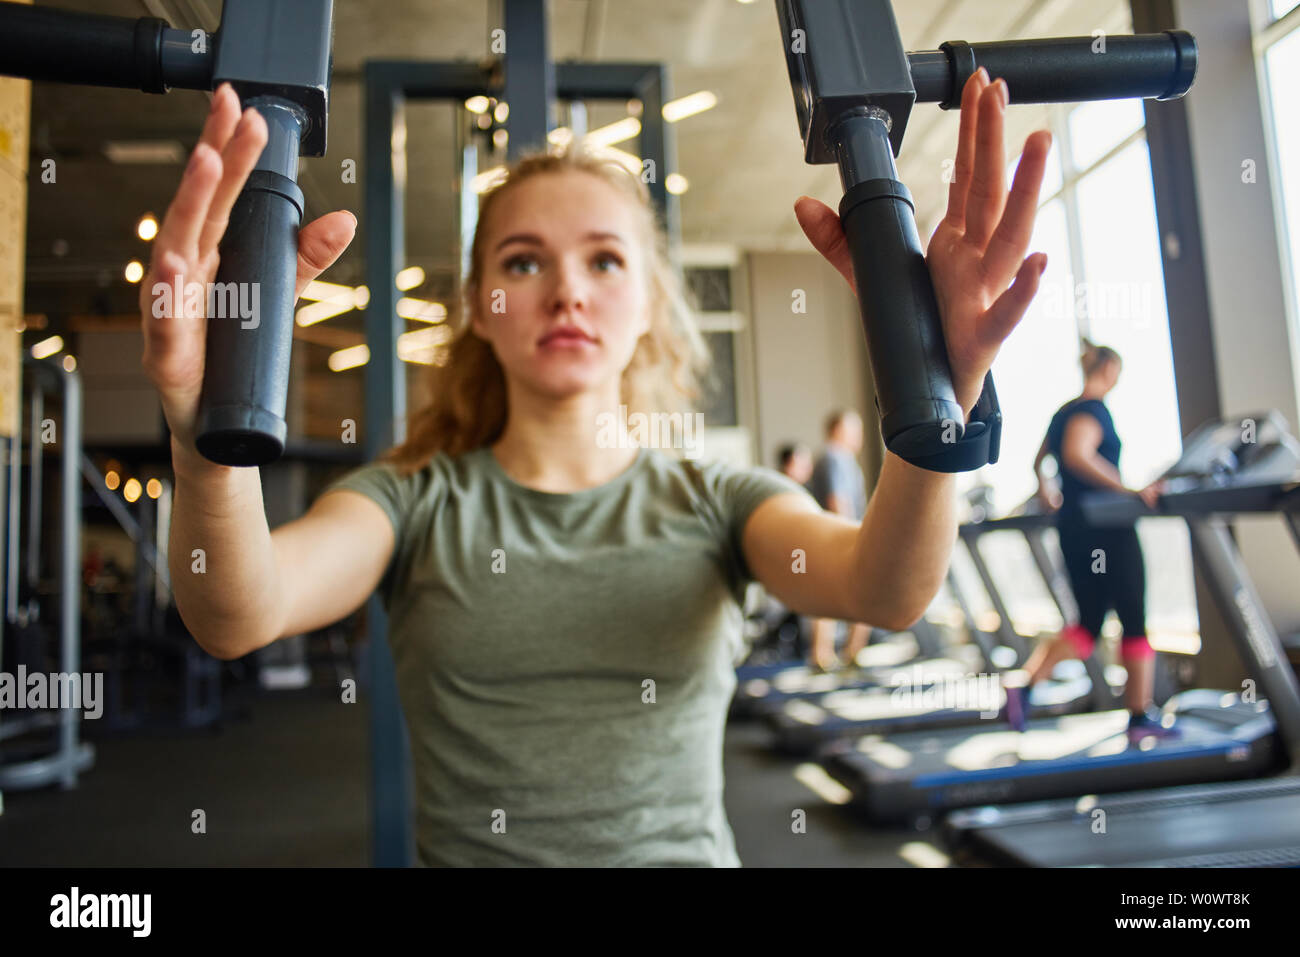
[(71, 756), (388, 85)]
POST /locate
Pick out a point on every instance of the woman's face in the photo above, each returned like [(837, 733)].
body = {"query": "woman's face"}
[(563, 299), (1112, 374)]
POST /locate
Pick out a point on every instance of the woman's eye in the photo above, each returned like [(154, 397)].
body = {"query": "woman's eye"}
[(511, 263), (609, 257)]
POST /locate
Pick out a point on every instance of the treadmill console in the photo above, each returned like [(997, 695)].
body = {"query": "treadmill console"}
[(1254, 449)]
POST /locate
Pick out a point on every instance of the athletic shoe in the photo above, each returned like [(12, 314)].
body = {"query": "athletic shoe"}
[(1016, 711), (1147, 725)]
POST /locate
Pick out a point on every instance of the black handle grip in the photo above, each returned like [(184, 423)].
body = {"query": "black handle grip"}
[(919, 412), (246, 367), (88, 48), (1157, 66)]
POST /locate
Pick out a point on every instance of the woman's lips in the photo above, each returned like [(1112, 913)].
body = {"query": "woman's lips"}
[(566, 340)]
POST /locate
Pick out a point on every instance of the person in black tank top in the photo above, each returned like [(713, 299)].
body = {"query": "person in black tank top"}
[(1105, 565)]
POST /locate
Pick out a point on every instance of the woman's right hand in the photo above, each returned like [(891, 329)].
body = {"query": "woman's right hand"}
[(1047, 496), (185, 250), (1151, 494)]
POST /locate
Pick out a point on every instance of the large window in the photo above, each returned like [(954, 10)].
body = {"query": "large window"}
[(1280, 70), (1104, 280)]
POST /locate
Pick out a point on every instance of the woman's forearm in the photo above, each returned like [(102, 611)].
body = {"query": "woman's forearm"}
[(1095, 470), (222, 563), (906, 540)]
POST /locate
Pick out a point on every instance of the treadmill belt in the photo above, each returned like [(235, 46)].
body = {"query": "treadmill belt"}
[(917, 774), (801, 725), (1251, 824)]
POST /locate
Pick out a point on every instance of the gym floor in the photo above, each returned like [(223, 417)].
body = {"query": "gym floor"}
[(286, 785)]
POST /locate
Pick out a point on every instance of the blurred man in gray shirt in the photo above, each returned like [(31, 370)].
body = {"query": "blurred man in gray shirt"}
[(838, 485)]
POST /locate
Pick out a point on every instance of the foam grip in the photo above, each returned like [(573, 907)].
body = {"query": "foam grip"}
[(918, 406), (250, 326)]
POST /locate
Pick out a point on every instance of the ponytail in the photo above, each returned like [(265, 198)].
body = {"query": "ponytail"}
[(1095, 357)]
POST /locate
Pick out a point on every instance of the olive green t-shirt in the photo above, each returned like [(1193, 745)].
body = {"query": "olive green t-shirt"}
[(565, 661)]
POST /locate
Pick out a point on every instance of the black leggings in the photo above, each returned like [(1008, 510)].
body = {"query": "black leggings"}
[(1122, 585)]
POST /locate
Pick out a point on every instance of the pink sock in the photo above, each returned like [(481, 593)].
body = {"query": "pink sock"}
[(1136, 648), (1080, 640)]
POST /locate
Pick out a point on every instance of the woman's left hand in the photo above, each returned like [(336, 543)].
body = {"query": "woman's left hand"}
[(978, 249)]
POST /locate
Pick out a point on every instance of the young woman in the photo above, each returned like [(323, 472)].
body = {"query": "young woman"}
[(1105, 565), (564, 605)]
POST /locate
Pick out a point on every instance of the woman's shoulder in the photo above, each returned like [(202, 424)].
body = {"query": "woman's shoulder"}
[(723, 481), (1095, 407)]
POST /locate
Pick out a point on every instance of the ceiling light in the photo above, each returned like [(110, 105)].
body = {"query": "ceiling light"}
[(409, 278), (134, 271), (324, 290), (325, 309), (477, 104), (47, 347), (501, 112), (147, 228), (349, 358), (421, 345), (617, 132), (144, 151), (685, 106), (676, 184), (421, 310)]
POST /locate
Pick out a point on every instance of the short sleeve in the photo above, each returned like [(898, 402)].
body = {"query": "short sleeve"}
[(1093, 408), (397, 495), (736, 493)]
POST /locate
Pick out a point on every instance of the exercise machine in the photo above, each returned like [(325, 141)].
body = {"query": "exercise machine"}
[(43, 747), (854, 87), (804, 723), (915, 653), (276, 56), (1246, 824), (1222, 734)]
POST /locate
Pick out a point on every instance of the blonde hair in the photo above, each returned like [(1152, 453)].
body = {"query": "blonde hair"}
[(467, 405), (1095, 357)]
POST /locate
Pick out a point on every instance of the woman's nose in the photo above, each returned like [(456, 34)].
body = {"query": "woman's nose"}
[(569, 288)]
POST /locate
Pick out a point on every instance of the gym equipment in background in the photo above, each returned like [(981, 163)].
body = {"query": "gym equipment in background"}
[(34, 758), (276, 56), (763, 686), (801, 724), (1222, 735), (854, 87)]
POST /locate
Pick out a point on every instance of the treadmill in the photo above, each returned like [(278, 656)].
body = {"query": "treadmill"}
[(1251, 824), (917, 651), (913, 776), (803, 723)]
